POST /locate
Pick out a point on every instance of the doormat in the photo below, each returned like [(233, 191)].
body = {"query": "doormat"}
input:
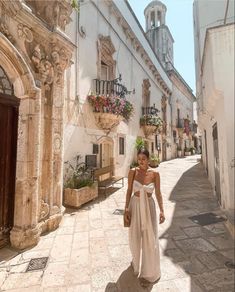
[(207, 219), (37, 264), (118, 212)]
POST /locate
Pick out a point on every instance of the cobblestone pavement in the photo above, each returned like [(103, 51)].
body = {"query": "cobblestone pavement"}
[(89, 252)]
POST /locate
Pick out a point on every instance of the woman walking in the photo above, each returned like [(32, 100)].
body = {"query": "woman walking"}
[(140, 214)]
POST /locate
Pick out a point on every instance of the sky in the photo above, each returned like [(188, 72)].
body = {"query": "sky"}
[(179, 19)]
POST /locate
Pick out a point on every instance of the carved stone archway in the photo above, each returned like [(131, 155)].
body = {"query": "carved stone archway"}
[(35, 60)]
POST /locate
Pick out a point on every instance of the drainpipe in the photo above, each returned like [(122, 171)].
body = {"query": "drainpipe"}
[(226, 12)]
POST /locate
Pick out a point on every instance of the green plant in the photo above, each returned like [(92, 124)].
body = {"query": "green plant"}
[(154, 158), (187, 149), (151, 120), (134, 164), (179, 148), (139, 143), (76, 174)]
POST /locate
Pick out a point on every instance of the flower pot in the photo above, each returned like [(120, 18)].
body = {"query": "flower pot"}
[(107, 121), (179, 153), (153, 164), (149, 130), (78, 197)]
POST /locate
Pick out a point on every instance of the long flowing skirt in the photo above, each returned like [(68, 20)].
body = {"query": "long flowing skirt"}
[(144, 244)]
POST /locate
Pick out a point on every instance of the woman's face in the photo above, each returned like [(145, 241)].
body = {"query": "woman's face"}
[(142, 160)]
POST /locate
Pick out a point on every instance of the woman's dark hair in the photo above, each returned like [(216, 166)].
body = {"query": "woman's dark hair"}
[(144, 151)]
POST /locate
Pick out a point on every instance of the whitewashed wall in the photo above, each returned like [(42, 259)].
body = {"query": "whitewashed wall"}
[(81, 130), (218, 107)]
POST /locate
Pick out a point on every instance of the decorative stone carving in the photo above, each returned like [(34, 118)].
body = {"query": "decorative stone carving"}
[(25, 33), (43, 67), (146, 92), (107, 121), (44, 211), (4, 29), (56, 13), (149, 130), (50, 66)]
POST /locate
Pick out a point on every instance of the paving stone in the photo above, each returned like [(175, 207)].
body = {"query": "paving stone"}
[(79, 288), (176, 255), (101, 259), (217, 228), (100, 278), (98, 246), (54, 289), (54, 275), (212, 260), (80, 257), (195, 245), (22, 280), (216, 280), (59, 252), (80, 240), (222, 242), (96, 233), (76, 274)]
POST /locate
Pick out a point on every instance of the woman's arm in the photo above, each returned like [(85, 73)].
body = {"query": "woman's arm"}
[(159, 197), (129, 189)]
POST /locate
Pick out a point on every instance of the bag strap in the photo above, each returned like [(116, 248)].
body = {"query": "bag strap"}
[(133, 179)]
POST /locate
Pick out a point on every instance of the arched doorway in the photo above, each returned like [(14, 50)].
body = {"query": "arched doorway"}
[(9, 105)]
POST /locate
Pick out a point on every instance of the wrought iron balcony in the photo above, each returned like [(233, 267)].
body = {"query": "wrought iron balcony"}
[(110, 87), (150, 110)]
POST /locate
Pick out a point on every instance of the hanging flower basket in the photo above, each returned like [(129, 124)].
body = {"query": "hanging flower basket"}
[(151, 124), (110, 110), (107, 121)]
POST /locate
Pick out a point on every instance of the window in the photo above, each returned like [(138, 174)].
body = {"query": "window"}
[(121, 146), (156, 141), (104, 71)]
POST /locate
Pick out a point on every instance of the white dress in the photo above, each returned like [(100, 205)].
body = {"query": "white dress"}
[(143, 238)]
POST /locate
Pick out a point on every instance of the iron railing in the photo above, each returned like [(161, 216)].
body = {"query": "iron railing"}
[(150, 110)]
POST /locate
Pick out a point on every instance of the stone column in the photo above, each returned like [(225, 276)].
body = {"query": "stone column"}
[(25, 231)]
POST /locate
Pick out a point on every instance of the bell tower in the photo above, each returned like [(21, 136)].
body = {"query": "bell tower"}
[(158, 32)]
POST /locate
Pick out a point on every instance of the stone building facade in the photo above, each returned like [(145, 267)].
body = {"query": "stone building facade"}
[(214, 60), (51, 60), (34, 55)]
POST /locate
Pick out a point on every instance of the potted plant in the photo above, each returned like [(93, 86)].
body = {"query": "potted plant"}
[(187, 151), (179, 151), (139, 143), (192, 150), (154, 160), (151, 124), (79, 185)]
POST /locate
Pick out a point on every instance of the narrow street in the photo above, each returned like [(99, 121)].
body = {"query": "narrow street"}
[(90, 253)]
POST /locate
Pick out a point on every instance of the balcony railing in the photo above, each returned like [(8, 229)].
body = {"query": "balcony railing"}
[(150, 110), (110, 87)]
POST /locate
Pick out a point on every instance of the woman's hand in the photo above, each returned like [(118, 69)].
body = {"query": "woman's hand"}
[(127, 215), (161, 217)]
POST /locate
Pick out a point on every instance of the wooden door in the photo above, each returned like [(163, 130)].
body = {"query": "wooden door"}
[(8, 142)]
